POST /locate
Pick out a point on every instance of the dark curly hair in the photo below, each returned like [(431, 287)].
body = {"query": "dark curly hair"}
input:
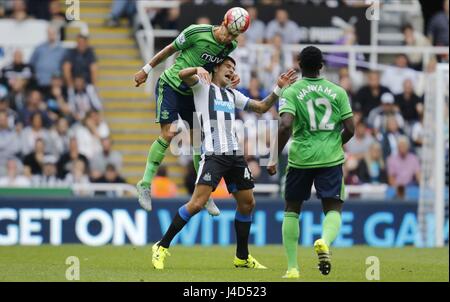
[(310, 59)]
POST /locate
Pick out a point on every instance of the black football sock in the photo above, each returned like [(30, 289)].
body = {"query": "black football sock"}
[(242, 224), (179, 221)]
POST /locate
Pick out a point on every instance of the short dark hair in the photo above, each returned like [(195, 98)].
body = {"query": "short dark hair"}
[(228, 58), (310, 59)]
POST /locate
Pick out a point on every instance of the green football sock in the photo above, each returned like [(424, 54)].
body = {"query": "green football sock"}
[(291, 232), (331, 226), (154, 159), (196, 159)]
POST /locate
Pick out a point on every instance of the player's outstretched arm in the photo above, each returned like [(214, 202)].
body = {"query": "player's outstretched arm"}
[(284, 133), (263, 106), (141, 76), (349, 130), (192, 75)]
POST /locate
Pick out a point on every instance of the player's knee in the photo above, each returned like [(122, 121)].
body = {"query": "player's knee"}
[(247, 206), (293, 207), (167, 133)]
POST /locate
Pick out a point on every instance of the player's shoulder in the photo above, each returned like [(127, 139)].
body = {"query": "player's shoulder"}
[(197, 29), (335, 87)]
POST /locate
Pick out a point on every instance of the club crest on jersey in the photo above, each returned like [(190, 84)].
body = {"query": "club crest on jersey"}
[(165, 115), (210, 58), (223, 106), (181, 39), (207, 177)]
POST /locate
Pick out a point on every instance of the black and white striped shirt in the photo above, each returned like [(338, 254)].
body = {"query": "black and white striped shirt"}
[(215, 109)]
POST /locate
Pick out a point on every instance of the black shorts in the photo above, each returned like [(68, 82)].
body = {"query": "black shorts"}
[(233, 168), (327, 181), (170, 103)]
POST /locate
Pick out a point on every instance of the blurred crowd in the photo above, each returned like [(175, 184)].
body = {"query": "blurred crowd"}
[(52, 132)]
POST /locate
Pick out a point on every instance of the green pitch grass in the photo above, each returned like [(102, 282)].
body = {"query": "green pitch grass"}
[(128, 263)]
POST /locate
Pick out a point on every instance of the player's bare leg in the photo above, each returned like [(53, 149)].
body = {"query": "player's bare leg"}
[(242, 223), (332, 209)]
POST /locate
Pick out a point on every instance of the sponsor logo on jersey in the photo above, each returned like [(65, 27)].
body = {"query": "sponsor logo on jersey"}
[(210, 58), (223, 106)]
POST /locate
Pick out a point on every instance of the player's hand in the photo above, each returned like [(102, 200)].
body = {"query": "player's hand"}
[(140, 78), (235, 80), (272, 170), (203, 74), (287, 78)]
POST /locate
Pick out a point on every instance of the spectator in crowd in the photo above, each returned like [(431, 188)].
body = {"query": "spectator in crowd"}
[(11, 115), (82, 99), (34, 132), (56, 100), (121, 8), (49, 177), (438, 28), (256, 31), (17, 95), (203, 20), (13, 178), (78, 174), (389, 138), (369, 97), (59, 136), (360, 143), (394, 76), (110, 175), (47, 60), (349, 38), (371, 169), (66, 161), (34, 105), (9, 142), (17, 70), (163, 186), (34, 160), (350, 171), (254, 90), (38, 9), (403, 167), (378, 116), (19, 10), (80, 61), (283, 26), (278, 59), (246, 59), (417, 135), (416, 39), (90, 132), (102, 159), (58, 18), (409, 103), (167, 18), (346, 83)]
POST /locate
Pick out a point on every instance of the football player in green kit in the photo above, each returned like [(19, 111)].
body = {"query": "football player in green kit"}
[(318, 115), (199, 45)]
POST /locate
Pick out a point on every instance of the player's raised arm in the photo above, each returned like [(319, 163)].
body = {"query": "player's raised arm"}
[(141, 76), (192, 75), (263, 106)]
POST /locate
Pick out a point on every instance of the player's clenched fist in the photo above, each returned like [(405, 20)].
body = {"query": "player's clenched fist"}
[(203, 74), (272, 170), (140, 77)]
